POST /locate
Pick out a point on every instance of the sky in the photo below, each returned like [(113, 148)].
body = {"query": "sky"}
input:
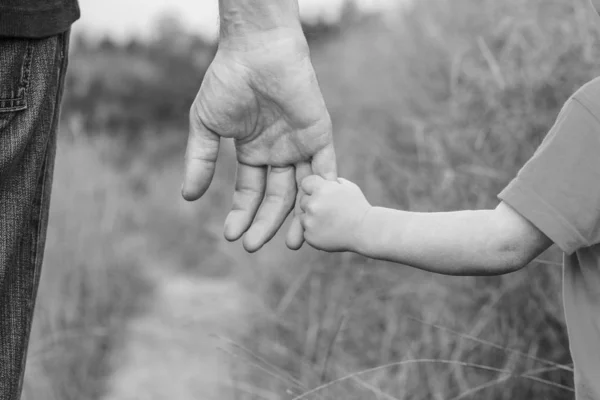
[(123, 18)]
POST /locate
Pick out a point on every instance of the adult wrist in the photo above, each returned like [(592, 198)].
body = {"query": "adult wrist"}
[(246, 24)]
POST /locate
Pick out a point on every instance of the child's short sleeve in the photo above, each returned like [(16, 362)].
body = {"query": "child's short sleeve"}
[(558, 189)]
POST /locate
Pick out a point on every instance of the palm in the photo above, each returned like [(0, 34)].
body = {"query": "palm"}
[(271, 105)]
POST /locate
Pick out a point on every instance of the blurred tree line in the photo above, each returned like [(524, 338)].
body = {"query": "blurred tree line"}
[(125, 89), (136, 86)]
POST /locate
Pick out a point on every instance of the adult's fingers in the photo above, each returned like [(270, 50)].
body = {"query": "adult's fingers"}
[(324, 163), (249, 191), (310, 184), (277, 204), (200, 158), (295, 236)]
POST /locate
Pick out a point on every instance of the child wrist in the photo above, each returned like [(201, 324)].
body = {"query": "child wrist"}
[(360, 243)]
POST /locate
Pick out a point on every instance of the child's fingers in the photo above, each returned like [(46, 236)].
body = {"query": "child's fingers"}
[(295, 236), (304, 221), (304, 200), (312, 183)]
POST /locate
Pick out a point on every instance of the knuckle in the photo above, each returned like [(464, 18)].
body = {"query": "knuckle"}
[(284, 198), (307, 182), (309, 223), (195, 114)]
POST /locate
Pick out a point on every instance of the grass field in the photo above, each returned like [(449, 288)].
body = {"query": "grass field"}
[(435, 111)]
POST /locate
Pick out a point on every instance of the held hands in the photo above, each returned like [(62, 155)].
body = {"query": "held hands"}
[(264, 94), (333, 213)]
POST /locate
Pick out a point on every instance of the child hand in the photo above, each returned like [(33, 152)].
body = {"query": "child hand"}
[(333, 213)]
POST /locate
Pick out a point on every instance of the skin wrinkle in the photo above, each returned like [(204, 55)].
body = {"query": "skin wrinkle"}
[(202, 154), (245, 210), (277, 198), (283, 200), (227, 114), (251, 124), (260, 126), (243, 188), (239, 205), (263, 125), (266, 88), (249, 18)]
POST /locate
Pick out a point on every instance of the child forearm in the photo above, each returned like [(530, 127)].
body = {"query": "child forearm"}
[(338, 217), (449, 243)]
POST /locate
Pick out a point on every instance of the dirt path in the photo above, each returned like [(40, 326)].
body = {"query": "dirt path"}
[(169, 352)]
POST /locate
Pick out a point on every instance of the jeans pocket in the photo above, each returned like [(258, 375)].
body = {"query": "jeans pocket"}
[(15, 68)]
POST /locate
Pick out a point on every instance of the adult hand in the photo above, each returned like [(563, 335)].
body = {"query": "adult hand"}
[(266, 97)]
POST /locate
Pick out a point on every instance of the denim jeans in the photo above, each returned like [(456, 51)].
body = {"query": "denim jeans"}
[(32, 75)]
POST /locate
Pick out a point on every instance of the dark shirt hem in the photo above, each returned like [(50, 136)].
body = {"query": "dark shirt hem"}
[(37, 24)]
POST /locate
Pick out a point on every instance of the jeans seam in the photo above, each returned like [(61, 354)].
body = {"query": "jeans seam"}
[(62, 39), (26, 71), (37, 217), (19, 102), (60, 60)]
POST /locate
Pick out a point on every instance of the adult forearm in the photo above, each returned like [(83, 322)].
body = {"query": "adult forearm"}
[(452, 243), (243, 18)]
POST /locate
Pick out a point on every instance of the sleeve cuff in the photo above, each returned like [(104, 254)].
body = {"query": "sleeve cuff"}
[(541, 214)]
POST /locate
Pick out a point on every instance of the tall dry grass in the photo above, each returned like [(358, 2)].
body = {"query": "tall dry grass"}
[(117, 224), (436, 110), (91, 281)]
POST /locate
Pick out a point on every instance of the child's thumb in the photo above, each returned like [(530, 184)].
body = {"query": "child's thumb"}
[(346, 182)]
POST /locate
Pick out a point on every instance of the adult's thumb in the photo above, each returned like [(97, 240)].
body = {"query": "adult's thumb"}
[(200, 159)]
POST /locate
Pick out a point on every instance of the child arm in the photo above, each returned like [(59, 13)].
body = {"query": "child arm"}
[(337, 217), (482, 242)]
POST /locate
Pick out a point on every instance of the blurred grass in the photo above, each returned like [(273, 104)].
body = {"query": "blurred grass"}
[(91, 279), (116, 223), (435, 110)]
